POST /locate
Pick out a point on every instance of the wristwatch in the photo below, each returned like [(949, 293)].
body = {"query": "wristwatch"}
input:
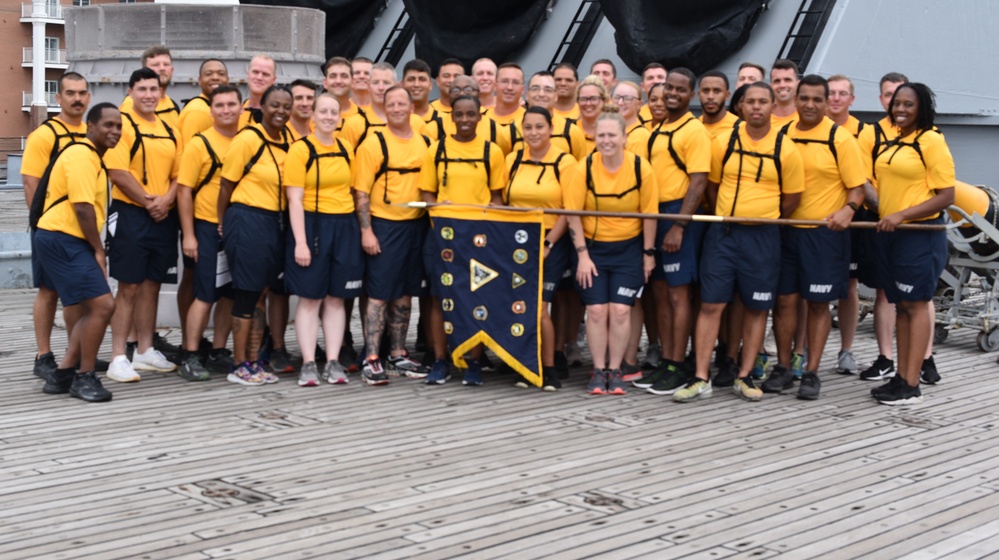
[(853, 205), (650, 252), (548, 244)]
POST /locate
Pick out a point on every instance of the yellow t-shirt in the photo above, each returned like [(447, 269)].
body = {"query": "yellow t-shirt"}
[(42, 143), (249, 116), (638, 141), (645, 114), (156, 160), (166, 109), (906, 180), (327, 180), (692, 145), (487, 128), (359, 127), (400, 182), (571, 114), (566, 136), (196, 164), (444, 112), (854, 125), (260, 187), (196, 117), (620, 191), (756, 199), (827, 178), (512, 123), (714, 129), (971, 199), (535, 184), (873, 139), (461, 176), (779, 122), (78, 175)]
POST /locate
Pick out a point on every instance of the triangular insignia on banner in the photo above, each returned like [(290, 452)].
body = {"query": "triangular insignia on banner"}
[(480, 274), (518, 280)]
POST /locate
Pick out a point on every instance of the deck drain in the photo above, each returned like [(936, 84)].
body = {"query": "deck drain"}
[(603, 501), (220, 493)]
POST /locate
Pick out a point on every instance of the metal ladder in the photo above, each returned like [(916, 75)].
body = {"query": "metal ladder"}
[(398, 39), (806, 29), (577, 38)]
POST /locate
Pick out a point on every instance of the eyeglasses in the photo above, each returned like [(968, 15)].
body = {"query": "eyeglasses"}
[(589, 99), (624, 98), (539, 88), (467, 89)]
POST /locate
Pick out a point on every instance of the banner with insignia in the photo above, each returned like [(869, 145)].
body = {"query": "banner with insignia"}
[(489, 278)]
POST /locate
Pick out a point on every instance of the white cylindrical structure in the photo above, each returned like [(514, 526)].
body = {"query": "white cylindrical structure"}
[(38, 15)]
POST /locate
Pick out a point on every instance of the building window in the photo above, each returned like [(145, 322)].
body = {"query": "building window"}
[(51, 89), (51, 49), (80, 3), (126, 1)]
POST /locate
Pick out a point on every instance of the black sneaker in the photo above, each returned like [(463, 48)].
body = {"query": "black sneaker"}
[(204, 347), (191, 369), (171, 352), (45, 366), (649, 378), (780, 380), (888, 386), (667, 384), (59, 382), (549, 379), (882, 368), (561, 365), (726, 375), (900, 394), (810, 386), (87, 387), (928, 374), (219, 361), (281, 361)]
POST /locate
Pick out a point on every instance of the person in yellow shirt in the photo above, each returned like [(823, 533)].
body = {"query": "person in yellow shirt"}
[(417, 81), (566, 79), (713, 93), (680, 150), (197, 113), (197, 204), (565, 135), (749, 73), (70, 251), (142, 226), (386, 175), (656, 105), (261, 74), (654, 73), (484, 71), (873, 140), (784, 81), (915, 175), (360, 91), (443, 126), (323, 264), (841, 98), (303, 98), (40, 150), (834, 191), (628, 97), (360, 126), (159, 60), (756, 172), (509, 110), (461, 168), (606, 71), (611, 268), (251, 219), (450, 69), (337, 79), (592, 97), (535, 172)]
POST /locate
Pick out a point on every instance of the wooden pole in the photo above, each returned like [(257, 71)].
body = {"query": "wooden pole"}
[(684, 217)]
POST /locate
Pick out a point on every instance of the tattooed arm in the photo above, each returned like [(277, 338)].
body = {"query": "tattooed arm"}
[(362, 201)]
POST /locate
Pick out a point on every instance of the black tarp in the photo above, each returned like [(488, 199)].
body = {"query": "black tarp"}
[(472, 29), (348, 22), (697, 34)]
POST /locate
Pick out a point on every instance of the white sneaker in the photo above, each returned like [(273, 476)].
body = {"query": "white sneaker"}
[(120, 370), (152, 360)]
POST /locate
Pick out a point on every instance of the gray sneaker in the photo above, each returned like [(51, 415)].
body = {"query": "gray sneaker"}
[(309, 376), (847, 363), (334, 373), (653, 354)]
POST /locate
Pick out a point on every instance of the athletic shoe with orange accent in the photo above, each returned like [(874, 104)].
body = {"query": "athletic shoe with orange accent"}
[(616, 384), (598, 382)]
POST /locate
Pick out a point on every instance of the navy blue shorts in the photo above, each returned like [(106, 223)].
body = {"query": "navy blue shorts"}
[(337, 267), (70, 266), (621, 276), (38, 276), (254, 245), (679, 268), (559, 262), (741, 257), (814, 262), (864, 250), (398, 270), (431, 262), (206, 269), (139, 248), (910, 262)]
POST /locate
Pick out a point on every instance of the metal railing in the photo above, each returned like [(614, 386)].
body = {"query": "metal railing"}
[(26, 99), (52, 56), (52, 11)]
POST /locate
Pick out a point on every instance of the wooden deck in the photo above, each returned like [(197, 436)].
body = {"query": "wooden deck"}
[(172, 469)]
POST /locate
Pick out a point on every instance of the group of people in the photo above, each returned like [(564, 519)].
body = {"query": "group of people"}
[(301, 190)]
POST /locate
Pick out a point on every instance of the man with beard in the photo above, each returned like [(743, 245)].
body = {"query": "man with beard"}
[(159, 60), (713, 95)]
